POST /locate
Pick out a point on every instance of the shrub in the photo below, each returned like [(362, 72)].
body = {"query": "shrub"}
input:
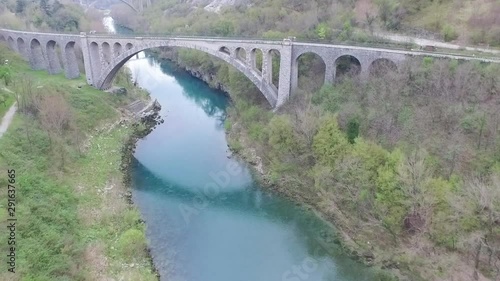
[(131, 244), (449, 33)]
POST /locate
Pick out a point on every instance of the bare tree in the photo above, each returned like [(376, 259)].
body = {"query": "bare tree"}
[(480, 201), (55, 117), (414, 176)]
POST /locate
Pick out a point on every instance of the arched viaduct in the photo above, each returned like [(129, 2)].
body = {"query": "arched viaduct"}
[(104, 55)]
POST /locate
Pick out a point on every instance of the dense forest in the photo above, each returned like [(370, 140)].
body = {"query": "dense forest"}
[(47, 15), (407, 163), (332, 20)]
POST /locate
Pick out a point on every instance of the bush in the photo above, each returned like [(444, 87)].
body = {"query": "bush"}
[(449, 33), (330, 144), (131, 244), (383, 275)]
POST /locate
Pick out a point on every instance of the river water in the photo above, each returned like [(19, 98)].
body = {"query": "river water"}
[(207, 219)]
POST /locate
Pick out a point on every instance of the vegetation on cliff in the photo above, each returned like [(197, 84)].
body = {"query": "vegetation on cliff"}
[(329, 20), (48, 15)]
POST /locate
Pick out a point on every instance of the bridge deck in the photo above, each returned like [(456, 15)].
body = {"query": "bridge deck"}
[(393, 50)]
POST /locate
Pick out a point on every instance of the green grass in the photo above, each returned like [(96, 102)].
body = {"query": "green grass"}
[(72, 211)]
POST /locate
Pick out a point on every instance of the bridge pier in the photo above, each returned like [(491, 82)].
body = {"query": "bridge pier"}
[(37, 57), (253, 60), (12, 44), (267, 66), (23, 49), (70, 61), (53, 63), (329, 73), (288, 70), (294, 76), (86, 59)]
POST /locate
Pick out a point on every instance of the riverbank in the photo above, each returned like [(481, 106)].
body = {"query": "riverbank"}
[(75, 220)]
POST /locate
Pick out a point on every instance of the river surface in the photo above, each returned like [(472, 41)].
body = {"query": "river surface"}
[(207, 219)]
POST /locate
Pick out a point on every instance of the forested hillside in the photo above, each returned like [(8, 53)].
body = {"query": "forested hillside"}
[(470, 22), (47, 15)]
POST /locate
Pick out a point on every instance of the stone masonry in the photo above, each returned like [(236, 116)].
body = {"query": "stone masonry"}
[(104, 55)]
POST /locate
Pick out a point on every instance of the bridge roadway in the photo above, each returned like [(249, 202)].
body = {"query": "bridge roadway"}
[(103, 56)]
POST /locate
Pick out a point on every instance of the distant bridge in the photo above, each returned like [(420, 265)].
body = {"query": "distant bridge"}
[(104, 55)]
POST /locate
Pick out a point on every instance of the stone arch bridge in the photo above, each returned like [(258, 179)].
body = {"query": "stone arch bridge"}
[(104, 55)]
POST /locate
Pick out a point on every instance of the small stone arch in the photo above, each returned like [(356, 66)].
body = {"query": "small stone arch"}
[(347, 65), (95, 58), (53, 57), (12, 44), (256, 57), (117, 49), (21, 46), (129, 46), (37, 59), (382, 66), (2, 38), (225, 50), (310, 71), (241, 55), (275, 60), (106, 52), (71, 68)]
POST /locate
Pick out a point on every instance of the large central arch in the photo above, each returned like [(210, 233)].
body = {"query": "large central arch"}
[(223, 52)]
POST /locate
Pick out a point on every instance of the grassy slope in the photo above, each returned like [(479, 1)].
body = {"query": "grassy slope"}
[(74, 221)]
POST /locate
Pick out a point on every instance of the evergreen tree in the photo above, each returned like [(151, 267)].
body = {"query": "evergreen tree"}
[(44, 4), (20, 6)]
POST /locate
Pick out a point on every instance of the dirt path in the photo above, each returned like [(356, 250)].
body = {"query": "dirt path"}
[(7, 119)]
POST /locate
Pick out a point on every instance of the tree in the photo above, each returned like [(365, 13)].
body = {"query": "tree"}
[(478, 205), (44, 4), (323, 31), (414, 176), (282, 136), (5, 74), (330, 144), (55, 116), (390, 199), (20, 6), (54, 113)]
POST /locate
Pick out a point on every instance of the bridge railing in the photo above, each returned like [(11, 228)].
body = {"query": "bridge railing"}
[(380, 42)]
